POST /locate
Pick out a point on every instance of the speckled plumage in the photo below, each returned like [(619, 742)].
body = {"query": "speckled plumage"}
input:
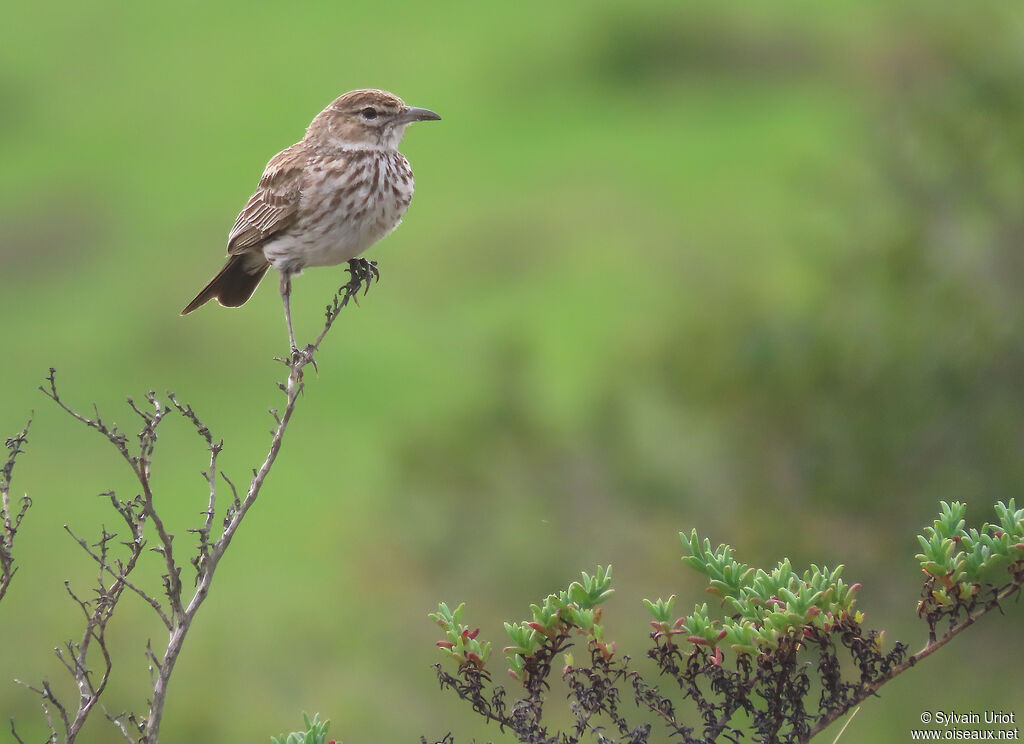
[(324, 200), (349, 200)]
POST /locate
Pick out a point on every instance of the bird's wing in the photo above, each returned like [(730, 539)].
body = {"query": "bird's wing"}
[(274, 205)]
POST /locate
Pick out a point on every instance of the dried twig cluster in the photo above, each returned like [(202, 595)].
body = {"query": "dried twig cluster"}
[(117, 553), (10, 517)]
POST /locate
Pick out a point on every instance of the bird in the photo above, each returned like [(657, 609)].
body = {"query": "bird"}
[(323, 201)]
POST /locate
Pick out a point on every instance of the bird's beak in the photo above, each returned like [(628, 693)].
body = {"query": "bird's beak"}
[(413, 113)]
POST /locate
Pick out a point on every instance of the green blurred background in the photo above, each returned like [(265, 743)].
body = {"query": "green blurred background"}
[(751, 268)]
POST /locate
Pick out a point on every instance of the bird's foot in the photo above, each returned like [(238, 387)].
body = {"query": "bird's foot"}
[(363, 273)]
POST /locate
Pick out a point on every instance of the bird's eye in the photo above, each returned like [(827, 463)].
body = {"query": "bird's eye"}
[(369, 113)]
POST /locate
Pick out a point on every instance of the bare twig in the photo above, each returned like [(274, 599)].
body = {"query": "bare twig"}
[(10, 522), (210, 475), (211, 552), (176, 612), (75, 655)]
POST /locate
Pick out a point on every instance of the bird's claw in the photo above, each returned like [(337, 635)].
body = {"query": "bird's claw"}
[(363, 273)]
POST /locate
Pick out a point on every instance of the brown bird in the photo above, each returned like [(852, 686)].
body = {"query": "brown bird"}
[(324, 200)]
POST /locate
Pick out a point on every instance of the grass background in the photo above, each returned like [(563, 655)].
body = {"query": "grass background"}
[(752, 269)]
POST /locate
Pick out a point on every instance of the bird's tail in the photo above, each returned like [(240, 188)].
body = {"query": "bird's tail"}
[(233, 285)]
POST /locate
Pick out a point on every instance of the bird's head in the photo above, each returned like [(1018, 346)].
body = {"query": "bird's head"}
[(366, 119)]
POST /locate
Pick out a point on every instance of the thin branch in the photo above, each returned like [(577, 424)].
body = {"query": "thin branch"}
[(119, 722), (865, 691), (119, 576), (206, 564), (115, 437), (211, 478), (142, 510), (207, 567), (97, 613), (147, 443), (48, 699), (10, 521)]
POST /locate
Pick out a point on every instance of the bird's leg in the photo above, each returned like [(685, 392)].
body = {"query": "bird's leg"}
[(361, 272), (286, 292)]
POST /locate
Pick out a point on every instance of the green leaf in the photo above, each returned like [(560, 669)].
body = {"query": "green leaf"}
[(315, 733), (662, 609)]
